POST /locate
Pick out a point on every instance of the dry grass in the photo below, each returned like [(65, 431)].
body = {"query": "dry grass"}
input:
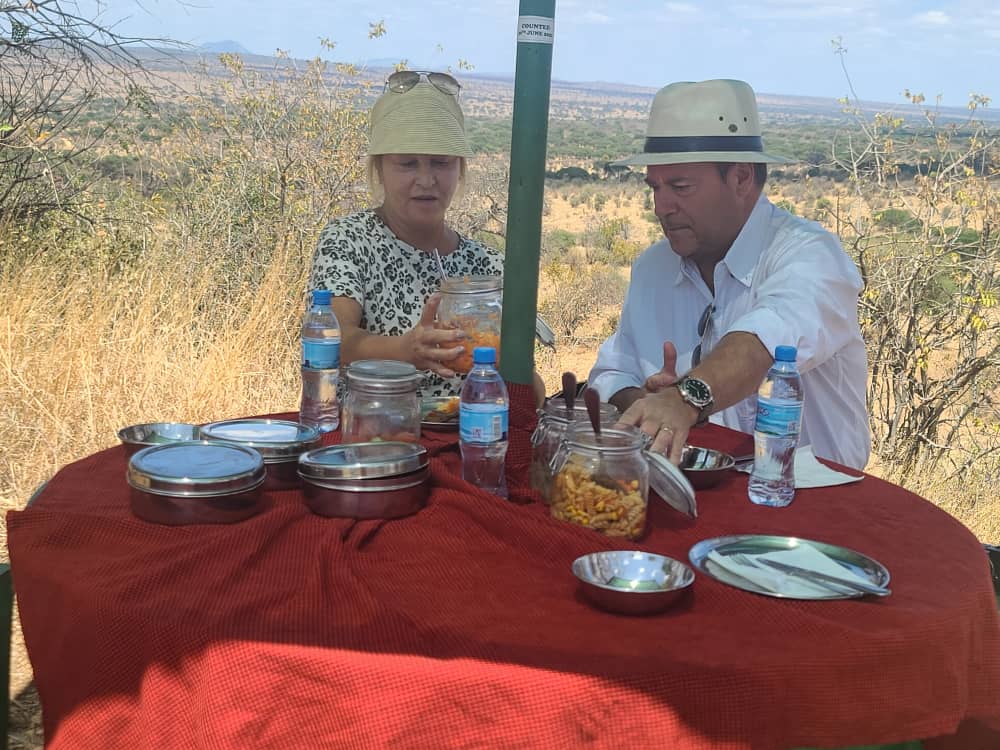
[(84, 356), (86, 352)]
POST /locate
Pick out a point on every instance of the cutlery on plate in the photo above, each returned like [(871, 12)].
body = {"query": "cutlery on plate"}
[(751, 561), (815, 576)]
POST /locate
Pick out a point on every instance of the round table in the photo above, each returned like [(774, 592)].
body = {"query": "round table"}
[(463, 626)]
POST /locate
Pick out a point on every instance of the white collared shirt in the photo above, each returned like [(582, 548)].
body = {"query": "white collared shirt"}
[(786, 280)]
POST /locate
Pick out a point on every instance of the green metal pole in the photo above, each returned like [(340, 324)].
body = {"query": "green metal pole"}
[(532, 80)]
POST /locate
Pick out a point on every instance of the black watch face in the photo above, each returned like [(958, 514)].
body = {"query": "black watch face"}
[(698, 390)]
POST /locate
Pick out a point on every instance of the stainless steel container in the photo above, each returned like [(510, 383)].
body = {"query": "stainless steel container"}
[(196, 482), (366, 480), (279, 442)]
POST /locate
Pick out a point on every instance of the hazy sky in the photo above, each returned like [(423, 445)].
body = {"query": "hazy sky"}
[(948, 48)]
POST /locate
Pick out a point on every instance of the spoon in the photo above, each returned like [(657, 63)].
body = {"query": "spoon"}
[(593, 402), (569, 392), (600, 475)]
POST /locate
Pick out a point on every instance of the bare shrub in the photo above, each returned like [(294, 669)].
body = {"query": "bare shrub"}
[(257, 161), (579, 293), (927, 248), (65, 80), (609, 241)]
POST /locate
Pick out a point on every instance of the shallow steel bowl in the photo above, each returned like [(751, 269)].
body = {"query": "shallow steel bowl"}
[(630, 582), (705, 467), (140, 436)]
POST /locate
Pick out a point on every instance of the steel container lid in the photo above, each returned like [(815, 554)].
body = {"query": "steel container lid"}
[(383, 376), (276, 440), (200, 468), (361, 461)]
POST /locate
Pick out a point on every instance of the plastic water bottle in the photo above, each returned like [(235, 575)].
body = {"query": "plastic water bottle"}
[(483, 412), (776, 433), (320, 406)]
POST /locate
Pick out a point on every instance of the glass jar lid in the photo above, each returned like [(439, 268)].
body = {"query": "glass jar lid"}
[(670, 484), (200, 468), (372, 460), (471, 284), (665, 479), (383, 376), (277, 440)]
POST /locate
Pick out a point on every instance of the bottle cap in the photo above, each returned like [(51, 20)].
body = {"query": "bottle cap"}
[(785, 354), (321, 296), (484, 355)]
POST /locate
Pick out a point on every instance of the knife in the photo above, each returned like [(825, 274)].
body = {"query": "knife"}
[(806, 573)]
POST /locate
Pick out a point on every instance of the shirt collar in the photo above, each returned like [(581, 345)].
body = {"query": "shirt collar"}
[(746, 248)]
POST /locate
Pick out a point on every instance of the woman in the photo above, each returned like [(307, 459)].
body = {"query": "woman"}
[(379, 263)]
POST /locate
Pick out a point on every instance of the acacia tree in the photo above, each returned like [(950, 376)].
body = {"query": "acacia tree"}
[(54, 64), (922, 224)]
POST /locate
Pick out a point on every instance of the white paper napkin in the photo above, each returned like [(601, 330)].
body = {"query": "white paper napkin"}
[(809, 472), (803, 556)]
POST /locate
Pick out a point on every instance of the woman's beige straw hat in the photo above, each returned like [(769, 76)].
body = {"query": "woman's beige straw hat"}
[(713, 121), (422, 120)]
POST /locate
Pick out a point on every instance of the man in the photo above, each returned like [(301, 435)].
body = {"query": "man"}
[(735, 278)]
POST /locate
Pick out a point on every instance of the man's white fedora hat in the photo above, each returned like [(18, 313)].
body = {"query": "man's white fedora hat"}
[(714, 121)]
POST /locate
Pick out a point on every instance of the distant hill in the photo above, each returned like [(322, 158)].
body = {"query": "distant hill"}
[(491, 94), (226, 45)]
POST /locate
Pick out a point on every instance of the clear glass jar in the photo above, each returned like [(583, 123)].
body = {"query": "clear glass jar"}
[(381, 401), (601, 482), (553, 419), (474, 304)]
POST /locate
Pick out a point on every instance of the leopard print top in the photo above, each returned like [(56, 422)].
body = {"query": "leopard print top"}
[(358, 256)]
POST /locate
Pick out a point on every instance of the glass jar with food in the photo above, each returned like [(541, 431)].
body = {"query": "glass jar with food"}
[(553, 419), (474, 305), (601, 481), (381, 401)]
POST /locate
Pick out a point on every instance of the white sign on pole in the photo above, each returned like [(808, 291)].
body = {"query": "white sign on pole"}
[(537, 29)]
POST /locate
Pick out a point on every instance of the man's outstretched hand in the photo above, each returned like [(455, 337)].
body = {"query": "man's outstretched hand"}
[(667, 376)]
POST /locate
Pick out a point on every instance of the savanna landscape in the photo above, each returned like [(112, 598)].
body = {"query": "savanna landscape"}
[(158, 214)]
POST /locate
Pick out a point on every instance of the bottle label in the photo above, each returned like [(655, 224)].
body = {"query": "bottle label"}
[(482, 423), (781, 419), (321, 354)]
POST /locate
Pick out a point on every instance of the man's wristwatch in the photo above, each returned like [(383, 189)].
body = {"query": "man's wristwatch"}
[(698, 394)]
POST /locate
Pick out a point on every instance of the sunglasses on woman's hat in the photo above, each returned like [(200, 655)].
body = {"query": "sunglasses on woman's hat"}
[(403, 80)]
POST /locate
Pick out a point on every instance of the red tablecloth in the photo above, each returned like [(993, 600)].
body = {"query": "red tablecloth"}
[(462, 626)]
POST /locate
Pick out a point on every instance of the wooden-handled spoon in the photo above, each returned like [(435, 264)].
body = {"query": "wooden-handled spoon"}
[(593, 402), (600, 475), (569, 392)]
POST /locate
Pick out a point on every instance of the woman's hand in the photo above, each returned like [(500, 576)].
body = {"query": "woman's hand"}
[(427, 347)]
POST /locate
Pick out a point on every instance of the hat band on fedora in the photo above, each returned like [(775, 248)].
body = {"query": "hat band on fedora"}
[(684, 143)]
